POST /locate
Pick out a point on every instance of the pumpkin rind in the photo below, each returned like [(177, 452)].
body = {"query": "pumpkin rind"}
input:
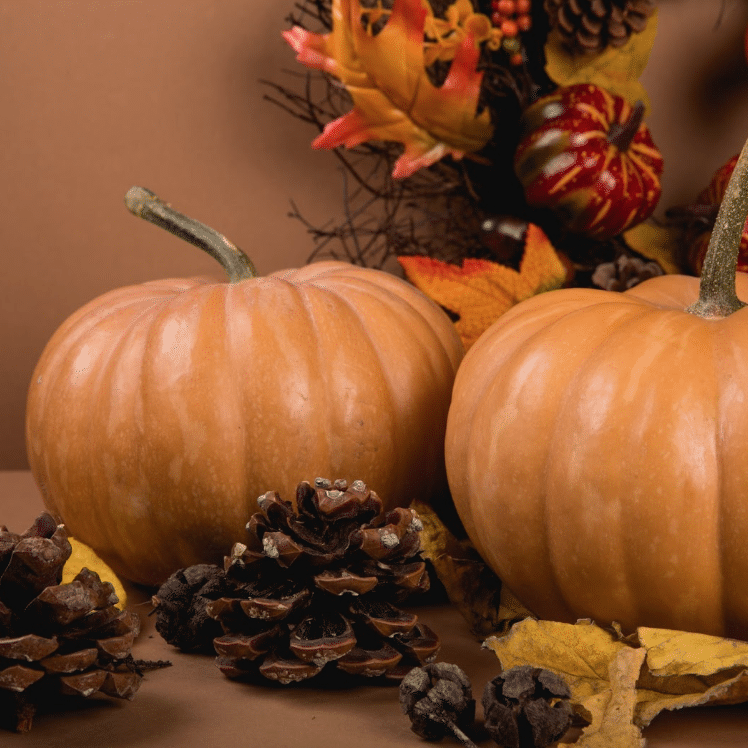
[(596, 454), (158, 413)]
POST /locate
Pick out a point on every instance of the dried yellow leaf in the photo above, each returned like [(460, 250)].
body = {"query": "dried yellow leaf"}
[(686, 669), (83, 556), (617, 70), (618, 684), (473, 588), (612, 723), (663, 244)]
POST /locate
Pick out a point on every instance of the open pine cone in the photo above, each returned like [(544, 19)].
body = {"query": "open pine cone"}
[(310, 586), (57, 639), (589, 26)]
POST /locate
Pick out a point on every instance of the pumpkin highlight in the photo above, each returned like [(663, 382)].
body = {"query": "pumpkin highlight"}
[(159, 412)]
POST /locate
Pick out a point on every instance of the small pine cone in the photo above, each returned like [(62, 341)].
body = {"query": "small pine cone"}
[(310, 586), (590, 26), (182, 618), (438, 699), (57, 639), (526, 707), (624, 272)]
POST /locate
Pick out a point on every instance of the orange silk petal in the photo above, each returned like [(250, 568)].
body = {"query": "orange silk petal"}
[(393, 98)]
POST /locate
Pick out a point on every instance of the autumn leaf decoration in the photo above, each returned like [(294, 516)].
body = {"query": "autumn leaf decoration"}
[(620, 684), (385, 74), (480, 291)]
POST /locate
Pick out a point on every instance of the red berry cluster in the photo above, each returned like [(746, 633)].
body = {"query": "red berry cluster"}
[(512, 17)]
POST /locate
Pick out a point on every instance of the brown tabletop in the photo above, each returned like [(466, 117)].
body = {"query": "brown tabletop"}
[(192, 704)]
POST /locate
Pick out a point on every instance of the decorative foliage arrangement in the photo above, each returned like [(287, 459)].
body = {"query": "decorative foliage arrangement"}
[(469, 128), (497, 149)]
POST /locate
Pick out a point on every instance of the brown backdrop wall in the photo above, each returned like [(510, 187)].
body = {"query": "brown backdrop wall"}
[(97, 96)]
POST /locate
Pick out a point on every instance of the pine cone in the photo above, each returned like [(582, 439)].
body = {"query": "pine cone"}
[(624, 272), (311, 586), (589, 26), (57, 639), (526, 707), (438, 699)]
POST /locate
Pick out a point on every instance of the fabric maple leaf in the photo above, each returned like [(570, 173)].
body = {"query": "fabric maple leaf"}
[(480, 291), (393, 98)]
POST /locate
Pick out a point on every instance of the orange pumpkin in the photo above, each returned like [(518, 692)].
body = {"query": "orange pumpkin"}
[(159, 412), (596, 447)]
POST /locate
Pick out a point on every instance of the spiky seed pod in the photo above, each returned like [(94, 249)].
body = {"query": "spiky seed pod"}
[(438, 699), (526, 707)]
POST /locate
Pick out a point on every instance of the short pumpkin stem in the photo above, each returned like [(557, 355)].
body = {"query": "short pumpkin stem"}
[(621, 134), (146, 204), (717, 294)]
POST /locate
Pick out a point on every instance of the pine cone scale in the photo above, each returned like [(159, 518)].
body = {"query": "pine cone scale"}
[(82, 684), (121, 685), (341, 581), (28, 647), (73, 662), (116, 647), (370, 662), (322, 638), (287, 670), (19, 677), (269, 609), (245, 646), (421, 643)]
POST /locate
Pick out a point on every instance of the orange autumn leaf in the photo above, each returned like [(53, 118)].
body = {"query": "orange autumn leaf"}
[(393, 98), (481, 291)]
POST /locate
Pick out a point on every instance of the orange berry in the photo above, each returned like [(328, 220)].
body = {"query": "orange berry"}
[(509, 28), (516, 59), (524, 23), (506, 7), (523, 6)]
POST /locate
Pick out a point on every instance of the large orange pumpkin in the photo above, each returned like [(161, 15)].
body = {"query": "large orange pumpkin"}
[(597, 447), (159, 412)]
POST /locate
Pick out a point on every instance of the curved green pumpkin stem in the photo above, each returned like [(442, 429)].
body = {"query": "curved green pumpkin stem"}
[(146, 204), (717, 295)]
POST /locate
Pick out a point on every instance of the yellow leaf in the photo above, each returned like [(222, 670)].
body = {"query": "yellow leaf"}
[(84, 556), (663, 244), (686, 669), (619, 685), (393, 98), (480, 291), (617, 70), (472, 587)]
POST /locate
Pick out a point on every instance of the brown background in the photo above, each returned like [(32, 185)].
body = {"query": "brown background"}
[(97, 96)]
